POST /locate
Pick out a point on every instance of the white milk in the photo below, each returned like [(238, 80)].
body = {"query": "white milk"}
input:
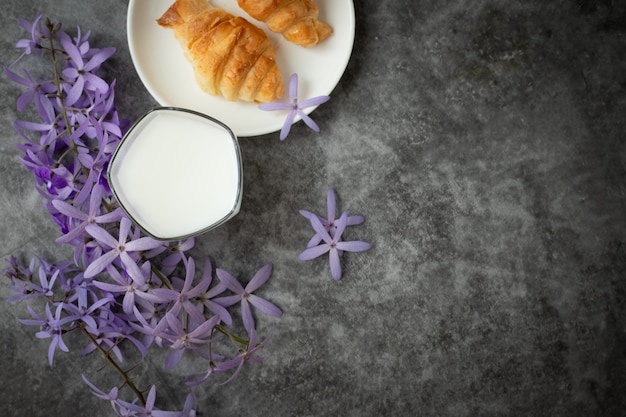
[(177, 174)]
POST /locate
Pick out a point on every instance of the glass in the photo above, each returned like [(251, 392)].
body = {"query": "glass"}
[(177, 173)]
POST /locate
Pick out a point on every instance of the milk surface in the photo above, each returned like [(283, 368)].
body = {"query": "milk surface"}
[(177, 174)]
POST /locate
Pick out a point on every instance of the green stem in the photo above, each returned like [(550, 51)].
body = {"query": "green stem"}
[(107, 355), (161, 277), (57, 84), (232, 336)]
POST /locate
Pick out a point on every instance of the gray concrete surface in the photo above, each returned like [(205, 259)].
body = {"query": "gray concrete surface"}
[(484, 142)]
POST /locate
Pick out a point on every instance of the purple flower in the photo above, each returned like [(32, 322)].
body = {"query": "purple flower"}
[(68, 148), (34, 90), (176, 254), (205, 375), (246, 355), (332, 245), (28, 289), (295, 107), (245, 296), (131, 286), (183, 299), (111, 330), (330, 223), (85, 313), (49, 129), (182, 339), (81, 70), (118, 248), (49, 327), (37, 33), (111, 396), (93, 216)]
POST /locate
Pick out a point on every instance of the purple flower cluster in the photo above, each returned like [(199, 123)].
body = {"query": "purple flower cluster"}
[(328, 237), (119, 286)]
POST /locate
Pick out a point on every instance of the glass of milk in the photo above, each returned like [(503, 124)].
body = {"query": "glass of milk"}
[(177, 173)]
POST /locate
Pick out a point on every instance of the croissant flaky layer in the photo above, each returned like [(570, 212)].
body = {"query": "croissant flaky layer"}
[(230, 55), (295, 19)]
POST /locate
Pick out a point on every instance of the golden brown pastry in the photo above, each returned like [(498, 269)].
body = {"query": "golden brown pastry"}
[(295, 19), (230, 55)]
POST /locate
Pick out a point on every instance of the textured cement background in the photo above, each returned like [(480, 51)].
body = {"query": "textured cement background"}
[(483, 140)]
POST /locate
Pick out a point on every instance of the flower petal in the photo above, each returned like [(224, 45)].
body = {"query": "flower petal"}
[(341, 226), (335, 265), (307, 214), (228, 300), (320, 229), (331, 204), (246, 315), (308, 121), (314, 101), (142, 244), (69, 210), (230, 281), (314, 252), (265, 306), (260, 278), (275, 106), (101, 235), (354, 220), (173, 358), (314, 241), (128, 303), (293, 87), (98, 265), (353, 246), (287, 125)]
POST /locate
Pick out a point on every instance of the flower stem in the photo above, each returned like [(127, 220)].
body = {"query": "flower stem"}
[(107, 355), (232, 336), (161, 277), (57, 84)]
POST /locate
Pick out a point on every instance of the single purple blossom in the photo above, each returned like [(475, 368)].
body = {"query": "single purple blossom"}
[(153, 335), (132, 286), (330, 222), (176, 254), (49, 327), (22, 291), (112, 329), (295, 107), (245, 296), (332, 245), (81, 70), (49, 128), (111, 396), (182, 299), (118, 248), (246, 355), (182, 339), (37, 33), (28, 289), (92, 216), (84, 313), (34, 89)]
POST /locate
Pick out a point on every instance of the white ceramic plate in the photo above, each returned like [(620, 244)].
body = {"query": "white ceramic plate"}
[(168, 76)]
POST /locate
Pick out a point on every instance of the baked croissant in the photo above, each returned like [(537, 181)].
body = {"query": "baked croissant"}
[(295, 19), (230, 55)]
